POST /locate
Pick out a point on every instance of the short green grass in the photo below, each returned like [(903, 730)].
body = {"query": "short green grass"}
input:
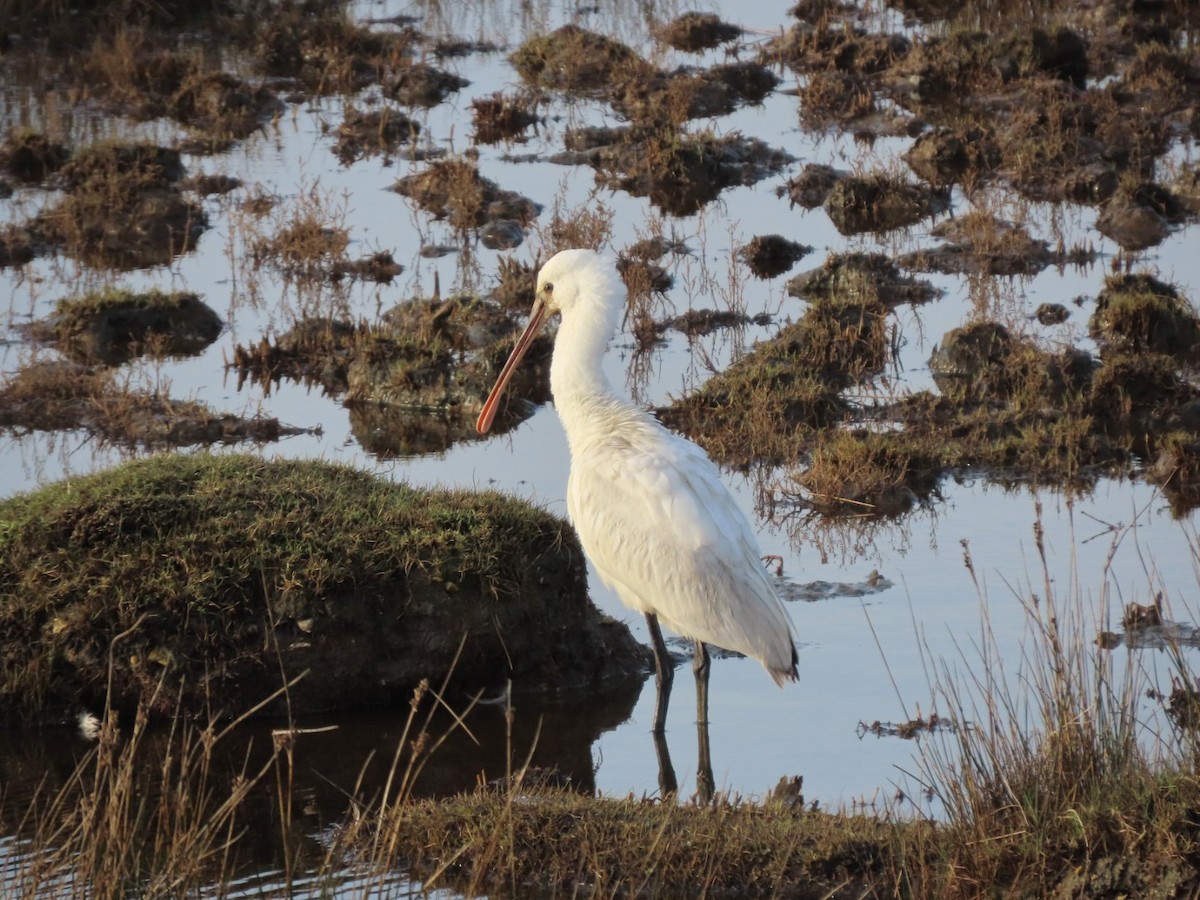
[(215, 571)]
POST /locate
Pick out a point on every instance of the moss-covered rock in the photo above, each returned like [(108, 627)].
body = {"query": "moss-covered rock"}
[(210, 580)]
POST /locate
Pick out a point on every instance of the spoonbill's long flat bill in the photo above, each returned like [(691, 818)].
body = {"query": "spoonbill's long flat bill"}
[(650, 508)]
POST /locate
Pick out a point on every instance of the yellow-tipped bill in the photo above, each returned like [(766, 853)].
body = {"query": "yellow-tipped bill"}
[(537, 317)]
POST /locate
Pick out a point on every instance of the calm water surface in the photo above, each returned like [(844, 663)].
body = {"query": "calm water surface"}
[(865, 654)]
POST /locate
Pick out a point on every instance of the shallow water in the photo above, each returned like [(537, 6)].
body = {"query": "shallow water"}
[(864, 656)]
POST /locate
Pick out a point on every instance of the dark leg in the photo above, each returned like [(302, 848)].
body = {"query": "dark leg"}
[(704, 774), (668, 785), (700, 666), (664, 674)]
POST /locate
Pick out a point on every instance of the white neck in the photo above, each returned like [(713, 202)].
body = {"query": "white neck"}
[(583, 397)]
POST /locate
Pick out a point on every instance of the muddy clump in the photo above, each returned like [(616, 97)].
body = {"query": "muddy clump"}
[(829, 43), (1140, 216), (225, 576), (443, 356), (123, 208), (669, 99), (18, 245), (208, 185), (946, 157), (218, 105), (859, 473), (862, 277), (1176, 469), (655, 247), (61, 396), (834, 100), (761, 409), (749, 81), (788, 388), (695, 32), (322, 46), (1020, 103), (416, 380), (968, 63), (1051, 313), (984, 362), (979, 244), (422, 85), (810, 188), (304, 247), (643, 277), (1020, 412), (502, 234), (697, 323), (1140, 314), (373, 132), (502, 117), (1139, 394), (769, 255), (574, 59), (878, 203), (454, 190), (114, 326), (313, 351), (1096, 140), (388, 431), (681, 173), (30, 157), (379, 268), (515, 286), (1009, 408), (146, 74)]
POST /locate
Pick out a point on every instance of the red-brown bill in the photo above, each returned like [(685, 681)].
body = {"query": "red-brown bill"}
[(537, 318)]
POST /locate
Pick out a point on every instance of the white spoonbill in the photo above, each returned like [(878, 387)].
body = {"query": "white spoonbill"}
[(650, 508)]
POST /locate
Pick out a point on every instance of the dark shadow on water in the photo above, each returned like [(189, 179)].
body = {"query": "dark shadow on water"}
[(340, 762)]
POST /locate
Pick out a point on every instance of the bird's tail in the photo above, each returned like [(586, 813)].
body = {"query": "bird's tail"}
[(783, 676)]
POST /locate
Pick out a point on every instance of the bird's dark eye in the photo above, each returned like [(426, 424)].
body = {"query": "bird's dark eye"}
[(547, 288)]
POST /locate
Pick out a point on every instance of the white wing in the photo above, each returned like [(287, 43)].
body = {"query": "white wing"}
[(663, 530)]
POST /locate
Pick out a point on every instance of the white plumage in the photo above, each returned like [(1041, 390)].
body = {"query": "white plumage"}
[(650, 508)]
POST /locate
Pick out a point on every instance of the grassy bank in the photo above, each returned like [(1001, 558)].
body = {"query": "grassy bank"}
[(211, 580), (1049, 783)]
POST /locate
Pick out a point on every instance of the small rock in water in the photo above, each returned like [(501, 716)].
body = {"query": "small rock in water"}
[(1051, 314), (503, 234)]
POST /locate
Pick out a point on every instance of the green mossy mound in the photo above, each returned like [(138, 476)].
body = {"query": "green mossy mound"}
[(779, 397), (212, 579)]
